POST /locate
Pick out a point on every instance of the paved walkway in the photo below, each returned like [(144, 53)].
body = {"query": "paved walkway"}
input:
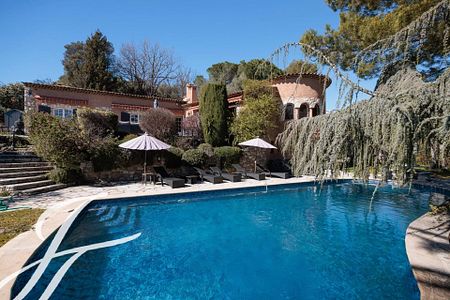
[(119, 190)]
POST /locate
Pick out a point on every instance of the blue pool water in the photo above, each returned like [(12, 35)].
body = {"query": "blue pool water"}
[(292, 242)]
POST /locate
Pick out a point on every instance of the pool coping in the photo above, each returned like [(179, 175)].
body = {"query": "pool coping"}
[(428, 250)]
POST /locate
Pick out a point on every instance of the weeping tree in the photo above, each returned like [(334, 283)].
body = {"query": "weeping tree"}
[(378, 135), (214, 114), (404, 116)]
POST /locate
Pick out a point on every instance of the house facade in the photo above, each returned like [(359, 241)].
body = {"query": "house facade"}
[(301, 96), (63, 101)]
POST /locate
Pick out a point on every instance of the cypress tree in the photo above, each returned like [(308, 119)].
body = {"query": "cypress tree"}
[(214, 114)]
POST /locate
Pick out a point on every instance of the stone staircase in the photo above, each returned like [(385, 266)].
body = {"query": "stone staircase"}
[(25, 173)]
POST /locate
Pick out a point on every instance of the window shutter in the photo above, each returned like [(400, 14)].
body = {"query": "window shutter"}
[(124, 117), (45, 109), (74, 112)]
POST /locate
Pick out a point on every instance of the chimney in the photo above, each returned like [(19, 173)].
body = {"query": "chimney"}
[(191, 93)]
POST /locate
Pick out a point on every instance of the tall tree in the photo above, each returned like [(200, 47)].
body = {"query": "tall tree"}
[(159, 122), (300, 66), (148, 67), (73, 62), (260, 115), (233, 75), (369, 23), (259, 69), (222, 73), (89, 64), (214, 114), (98, 62), (11, 96)]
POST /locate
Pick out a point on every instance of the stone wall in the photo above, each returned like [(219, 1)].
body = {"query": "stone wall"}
[(131, 173)]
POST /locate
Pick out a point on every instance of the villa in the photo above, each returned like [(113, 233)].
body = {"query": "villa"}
[(301, 95)]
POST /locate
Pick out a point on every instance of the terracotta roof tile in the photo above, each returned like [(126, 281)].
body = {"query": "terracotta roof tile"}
[(92, 91)]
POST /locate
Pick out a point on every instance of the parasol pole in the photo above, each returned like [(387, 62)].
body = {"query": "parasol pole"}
[(145, 163)]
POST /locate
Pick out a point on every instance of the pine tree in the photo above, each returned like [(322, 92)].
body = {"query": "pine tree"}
[(364, 23), (98, 61), (88, 64), (214, 114)]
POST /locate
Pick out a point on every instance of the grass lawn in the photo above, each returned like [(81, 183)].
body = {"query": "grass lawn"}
[(15, 222)]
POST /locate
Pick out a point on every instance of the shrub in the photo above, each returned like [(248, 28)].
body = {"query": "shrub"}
[(258, 117), (214, 114), (159, 122), (97, 122), (207, 149), (174, 157), (127, 138), (67, 175), (66, 144), (56, 140), (228, 155), (104, 153), (176, 152), (186, 143), (195, 157)]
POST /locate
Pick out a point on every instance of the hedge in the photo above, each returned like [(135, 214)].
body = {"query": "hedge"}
[(228, 155), (195, 157)]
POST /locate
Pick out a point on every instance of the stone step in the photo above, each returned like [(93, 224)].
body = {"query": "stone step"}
[(15, 180), (24, 164), (25, 169), (44, 189), (22, 174), (28, 185), (17, 153), (18, 158)]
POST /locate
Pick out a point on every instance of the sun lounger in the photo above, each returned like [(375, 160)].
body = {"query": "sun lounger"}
[(209, 177), (164, 177), (267, 172), (236, 177), (257, 176)]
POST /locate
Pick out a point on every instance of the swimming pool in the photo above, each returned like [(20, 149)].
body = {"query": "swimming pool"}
[(291, 242)]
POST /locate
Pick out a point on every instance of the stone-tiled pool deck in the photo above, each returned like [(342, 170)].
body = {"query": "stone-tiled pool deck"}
[(426, 241)]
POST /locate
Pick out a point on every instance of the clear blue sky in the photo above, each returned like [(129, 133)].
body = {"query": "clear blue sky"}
[(200, 33)]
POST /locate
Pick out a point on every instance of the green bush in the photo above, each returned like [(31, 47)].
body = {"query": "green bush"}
[(228, 155), (174, 157), (127, 138), (56, 140), (68, 176), (97, 122), (105, 154), (176, 152), (195, 157), (68, 142), (207, 149)]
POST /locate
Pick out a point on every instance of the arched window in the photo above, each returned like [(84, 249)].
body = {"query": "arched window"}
[(289, 111), (303, 111), (316, 110)]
